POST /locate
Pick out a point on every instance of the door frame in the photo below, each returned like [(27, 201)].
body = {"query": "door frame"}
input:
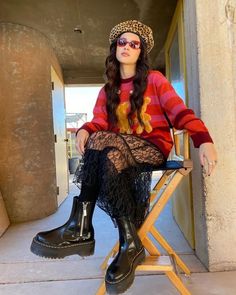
[(186, 187), (62, 193)]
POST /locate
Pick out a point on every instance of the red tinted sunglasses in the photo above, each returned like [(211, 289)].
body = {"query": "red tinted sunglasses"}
[(121, 42)]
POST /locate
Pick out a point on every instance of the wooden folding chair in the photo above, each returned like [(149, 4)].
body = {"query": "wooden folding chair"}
[(173, 172)]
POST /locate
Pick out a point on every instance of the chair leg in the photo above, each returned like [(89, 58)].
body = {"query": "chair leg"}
[(112, 253), (159, 206), (160, 184), (150, 247), (177, 283), (159, 238), (102, 289)]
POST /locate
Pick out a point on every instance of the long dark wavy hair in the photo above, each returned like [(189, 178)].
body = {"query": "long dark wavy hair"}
[(114, 80)]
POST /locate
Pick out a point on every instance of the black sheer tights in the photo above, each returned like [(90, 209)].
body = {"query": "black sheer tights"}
[(112, 173)]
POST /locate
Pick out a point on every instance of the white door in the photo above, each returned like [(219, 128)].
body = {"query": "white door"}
[(59, 122)]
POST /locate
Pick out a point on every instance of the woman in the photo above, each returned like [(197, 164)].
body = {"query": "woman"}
[(127, 137)]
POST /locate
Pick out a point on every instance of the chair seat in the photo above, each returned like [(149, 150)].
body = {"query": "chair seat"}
[(168, 165)]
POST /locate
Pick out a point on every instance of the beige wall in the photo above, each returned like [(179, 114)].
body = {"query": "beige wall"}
[(27, 163), (211, 66)]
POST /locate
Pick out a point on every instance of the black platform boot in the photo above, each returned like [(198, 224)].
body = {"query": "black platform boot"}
[(120, 273), (76, 236)]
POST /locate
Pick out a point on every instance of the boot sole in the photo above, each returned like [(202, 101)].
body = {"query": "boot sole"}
[(124, 284), (47, 251)]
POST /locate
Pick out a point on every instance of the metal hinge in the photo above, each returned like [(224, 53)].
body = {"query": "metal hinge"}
[(52, 85), (55, 138), (57, 190)]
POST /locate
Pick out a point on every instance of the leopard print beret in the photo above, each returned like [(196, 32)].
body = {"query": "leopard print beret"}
[(135, 27)]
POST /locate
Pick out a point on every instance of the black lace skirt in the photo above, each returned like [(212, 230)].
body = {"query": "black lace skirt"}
[(119, 166)]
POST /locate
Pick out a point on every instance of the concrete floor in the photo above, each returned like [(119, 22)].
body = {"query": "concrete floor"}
[(23, 273)]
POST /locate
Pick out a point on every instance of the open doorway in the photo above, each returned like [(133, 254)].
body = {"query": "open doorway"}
[(60, 140), (80, 101)]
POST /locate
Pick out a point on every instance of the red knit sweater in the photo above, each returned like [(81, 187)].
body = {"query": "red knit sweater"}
[(159, 98)]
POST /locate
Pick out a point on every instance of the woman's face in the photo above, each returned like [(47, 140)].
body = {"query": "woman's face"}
[(128, 48)]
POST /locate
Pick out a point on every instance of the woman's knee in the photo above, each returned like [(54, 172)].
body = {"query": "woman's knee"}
[(102, 139), (96, 140), (114, 156)]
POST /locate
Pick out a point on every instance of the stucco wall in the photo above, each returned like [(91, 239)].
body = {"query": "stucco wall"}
[(4, 220), (27, 162), (211, 67)]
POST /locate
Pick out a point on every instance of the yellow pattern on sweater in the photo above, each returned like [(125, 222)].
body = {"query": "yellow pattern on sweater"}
[(123, 122), (146, 118)]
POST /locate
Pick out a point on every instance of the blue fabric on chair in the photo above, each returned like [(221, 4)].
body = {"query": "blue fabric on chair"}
[(168, 165)]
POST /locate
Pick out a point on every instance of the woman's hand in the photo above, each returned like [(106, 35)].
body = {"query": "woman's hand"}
[(208, 157), (81, 139)]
